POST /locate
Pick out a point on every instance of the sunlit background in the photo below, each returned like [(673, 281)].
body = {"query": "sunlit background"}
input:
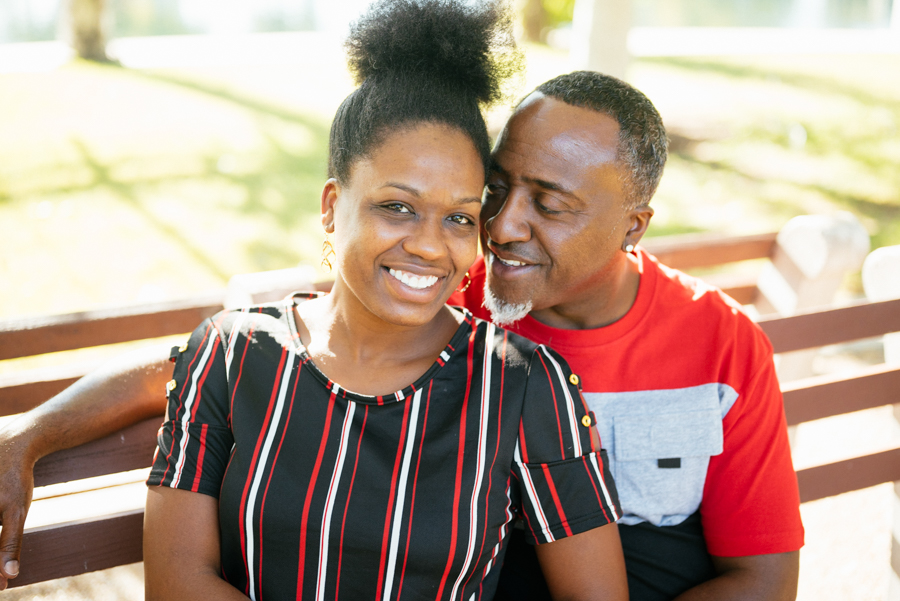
[(192, 148)]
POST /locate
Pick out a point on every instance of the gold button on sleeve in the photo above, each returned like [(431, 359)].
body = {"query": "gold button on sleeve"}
[(183, 347), (586, 421), (573, 379), (170, 385)]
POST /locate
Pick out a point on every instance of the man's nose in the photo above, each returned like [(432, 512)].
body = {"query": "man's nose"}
[(510, 222)]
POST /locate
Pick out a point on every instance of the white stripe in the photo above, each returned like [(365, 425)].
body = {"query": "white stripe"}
[(229, 352), (503, 529), (606, 496), (329, 507), (188, 407), (570, 405), (445, 356), (260, 467), (529, 488), (401, 496), (480, 459)]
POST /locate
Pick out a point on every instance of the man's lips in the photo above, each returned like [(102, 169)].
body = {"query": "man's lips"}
[(508, 260)]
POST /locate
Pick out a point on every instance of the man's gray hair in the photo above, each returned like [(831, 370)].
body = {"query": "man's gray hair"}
[(642, 147)]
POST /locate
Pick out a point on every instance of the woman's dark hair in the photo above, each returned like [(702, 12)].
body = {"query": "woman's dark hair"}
[(422, 61)]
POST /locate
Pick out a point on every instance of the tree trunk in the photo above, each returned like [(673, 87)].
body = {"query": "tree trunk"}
[(534, 20), (86, 23)]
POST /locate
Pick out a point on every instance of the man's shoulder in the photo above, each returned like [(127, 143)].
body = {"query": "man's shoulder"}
[(697, 304)]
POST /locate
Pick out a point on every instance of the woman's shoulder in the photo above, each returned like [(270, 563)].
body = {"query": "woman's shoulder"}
[(265, 320)]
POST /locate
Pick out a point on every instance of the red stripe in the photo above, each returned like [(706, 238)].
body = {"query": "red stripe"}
[(180, 408), (200, 455), (556, 501), (590, 475), (259, 440), (240, 372), (550, 379), (292, 392), (494, 460), (309, 493), (523, 451), (202, 379), (390, 505), (337, 587), (412, 503), (457, 488)]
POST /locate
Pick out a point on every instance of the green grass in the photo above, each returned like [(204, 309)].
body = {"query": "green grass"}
[(124, 186)]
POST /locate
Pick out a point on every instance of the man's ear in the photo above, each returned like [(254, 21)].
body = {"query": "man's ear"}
[(330, 194), (639, 219)]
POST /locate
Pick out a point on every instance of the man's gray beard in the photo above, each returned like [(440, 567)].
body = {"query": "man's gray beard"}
[(502, 312)]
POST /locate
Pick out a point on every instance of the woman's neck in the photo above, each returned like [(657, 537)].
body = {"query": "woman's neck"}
[(364, 353)]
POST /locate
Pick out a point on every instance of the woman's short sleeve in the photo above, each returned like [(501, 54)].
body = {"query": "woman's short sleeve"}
[(195, 441), (565, 484)]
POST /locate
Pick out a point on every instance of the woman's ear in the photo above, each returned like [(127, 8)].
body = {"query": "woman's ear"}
[(330, 194)]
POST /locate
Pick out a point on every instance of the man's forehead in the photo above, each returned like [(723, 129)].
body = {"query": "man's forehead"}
[(548, 133)]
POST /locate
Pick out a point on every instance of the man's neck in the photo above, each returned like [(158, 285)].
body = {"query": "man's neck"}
[(607, 299)]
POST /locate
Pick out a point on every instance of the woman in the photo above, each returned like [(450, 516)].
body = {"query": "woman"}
[(375, 442)]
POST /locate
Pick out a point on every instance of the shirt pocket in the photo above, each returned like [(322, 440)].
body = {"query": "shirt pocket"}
[(661, 462)]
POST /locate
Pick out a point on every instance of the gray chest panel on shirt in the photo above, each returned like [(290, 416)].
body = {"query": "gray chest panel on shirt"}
[(659, 444)]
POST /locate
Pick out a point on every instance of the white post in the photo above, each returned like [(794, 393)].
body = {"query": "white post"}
[(881, 281), (600, 36), (813, 255)]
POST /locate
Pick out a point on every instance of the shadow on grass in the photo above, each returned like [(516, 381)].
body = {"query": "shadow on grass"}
[(885, 216), (279, 185)]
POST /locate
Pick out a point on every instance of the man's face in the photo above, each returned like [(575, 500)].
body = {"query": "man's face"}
[(554, 215)]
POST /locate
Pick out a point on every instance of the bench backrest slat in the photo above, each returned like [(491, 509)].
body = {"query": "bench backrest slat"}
[(35, 336), (845, 476), (692, 251), (820, 328), (824, 396), (80, 547), (128, 449)]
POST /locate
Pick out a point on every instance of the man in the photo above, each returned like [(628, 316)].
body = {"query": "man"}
[(681, 384)]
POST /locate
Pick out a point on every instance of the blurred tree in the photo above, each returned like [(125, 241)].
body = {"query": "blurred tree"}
[(540, 16), (86, 28)]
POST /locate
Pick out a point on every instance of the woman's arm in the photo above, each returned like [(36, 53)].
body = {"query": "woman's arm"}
[(122, 392), (585, 566), (181, 548)]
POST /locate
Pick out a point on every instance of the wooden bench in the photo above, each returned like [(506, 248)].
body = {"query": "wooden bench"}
[(112, 539)]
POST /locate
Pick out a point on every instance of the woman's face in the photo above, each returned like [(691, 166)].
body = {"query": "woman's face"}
[(406, 223)]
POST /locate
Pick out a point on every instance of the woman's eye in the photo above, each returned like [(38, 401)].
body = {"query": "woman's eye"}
[(462, 220), (397, 207)]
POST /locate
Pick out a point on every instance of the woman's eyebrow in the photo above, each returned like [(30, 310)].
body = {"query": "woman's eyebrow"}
[(418, 194)]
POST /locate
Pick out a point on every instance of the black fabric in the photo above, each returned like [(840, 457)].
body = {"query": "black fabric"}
[(324, 492), (662, 563), (521, 578)]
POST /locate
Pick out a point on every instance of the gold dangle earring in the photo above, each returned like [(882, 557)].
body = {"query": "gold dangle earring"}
[(469, 283), (327, 254)]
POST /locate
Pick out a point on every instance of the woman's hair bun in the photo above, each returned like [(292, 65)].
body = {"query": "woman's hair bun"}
[(464, 44)]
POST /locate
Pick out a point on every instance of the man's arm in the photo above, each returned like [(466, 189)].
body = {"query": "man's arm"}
[(585, 566), (750, 578), (121, 393)]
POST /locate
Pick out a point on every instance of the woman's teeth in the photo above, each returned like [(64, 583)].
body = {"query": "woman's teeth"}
[(511, 263), (414, 281)]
